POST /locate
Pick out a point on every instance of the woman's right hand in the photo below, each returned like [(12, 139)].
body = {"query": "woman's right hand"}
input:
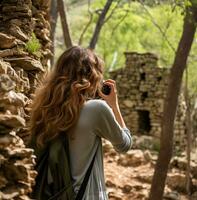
[(112, 98), (112, 101)]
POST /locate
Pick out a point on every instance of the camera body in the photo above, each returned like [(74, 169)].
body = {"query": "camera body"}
[(106, 89)]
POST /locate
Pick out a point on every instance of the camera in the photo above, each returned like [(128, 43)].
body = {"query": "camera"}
[(106, 89)]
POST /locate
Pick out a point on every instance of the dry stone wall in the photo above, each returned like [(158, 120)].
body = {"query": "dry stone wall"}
[(142, 89), (20, 70)]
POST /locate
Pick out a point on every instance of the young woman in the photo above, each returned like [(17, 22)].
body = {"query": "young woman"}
[(67, 102)]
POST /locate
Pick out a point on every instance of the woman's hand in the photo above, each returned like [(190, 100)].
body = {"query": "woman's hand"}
[(112, 101), (112, 98)]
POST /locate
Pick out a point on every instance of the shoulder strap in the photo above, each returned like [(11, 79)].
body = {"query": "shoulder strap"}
[(86, 178), (83, 185)]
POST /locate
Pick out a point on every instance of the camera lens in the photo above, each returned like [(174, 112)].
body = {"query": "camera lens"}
[(106, 89)]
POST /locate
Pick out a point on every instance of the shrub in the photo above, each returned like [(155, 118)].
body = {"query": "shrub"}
[(33, 45)]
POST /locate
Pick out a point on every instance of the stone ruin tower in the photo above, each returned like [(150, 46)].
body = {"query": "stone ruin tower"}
[(142, 89)]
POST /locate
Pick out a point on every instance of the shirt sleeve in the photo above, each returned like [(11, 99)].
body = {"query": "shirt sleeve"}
[(109, 128)]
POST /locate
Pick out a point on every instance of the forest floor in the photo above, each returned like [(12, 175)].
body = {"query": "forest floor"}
[(128, 176)]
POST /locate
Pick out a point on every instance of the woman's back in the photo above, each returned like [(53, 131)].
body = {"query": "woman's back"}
[(96, 120)]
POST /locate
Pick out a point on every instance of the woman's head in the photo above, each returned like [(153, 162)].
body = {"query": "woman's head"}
[(81, 68), (58, 100)]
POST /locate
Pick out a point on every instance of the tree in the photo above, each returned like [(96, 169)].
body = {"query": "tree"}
[(53, 22), (170, 105), (100, 22), (189, 133), (65, 28)]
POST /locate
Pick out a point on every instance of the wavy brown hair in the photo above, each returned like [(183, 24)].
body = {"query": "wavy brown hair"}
[(57, 102)]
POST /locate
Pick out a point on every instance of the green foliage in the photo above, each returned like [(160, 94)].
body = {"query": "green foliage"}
[(139, 33), (184, 4), (134, 27), (33, 45)]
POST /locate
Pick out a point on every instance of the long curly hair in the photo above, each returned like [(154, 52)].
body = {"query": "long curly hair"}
[(56, 105)]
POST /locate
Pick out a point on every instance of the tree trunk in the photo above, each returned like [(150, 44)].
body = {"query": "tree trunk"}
[(65, 28), (188, 131), (175, 78), (100, 22), (53, 22)]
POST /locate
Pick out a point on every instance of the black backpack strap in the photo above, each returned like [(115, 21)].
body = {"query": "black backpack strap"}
[(59, 194), (85, 180)]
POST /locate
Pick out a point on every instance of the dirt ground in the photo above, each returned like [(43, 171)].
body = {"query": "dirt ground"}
[(128, 176)]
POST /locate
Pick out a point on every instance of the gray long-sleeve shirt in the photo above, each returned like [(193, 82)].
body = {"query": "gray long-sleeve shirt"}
[(96, 121)]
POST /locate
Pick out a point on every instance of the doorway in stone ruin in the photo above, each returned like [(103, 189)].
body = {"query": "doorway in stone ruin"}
[(144, 125)]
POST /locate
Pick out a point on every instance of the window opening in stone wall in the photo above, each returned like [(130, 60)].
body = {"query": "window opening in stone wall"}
[(159, 78), (143, 64), (144, 125), (142, 76), (144, 96)]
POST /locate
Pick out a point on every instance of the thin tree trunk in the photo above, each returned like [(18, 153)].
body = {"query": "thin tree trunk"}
[(100, 22), (53, 22), (65, 28), (175, 78), (188, 130), (87, 25)]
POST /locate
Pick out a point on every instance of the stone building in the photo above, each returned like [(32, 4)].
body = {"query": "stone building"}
[(20, 70), (142, 89)]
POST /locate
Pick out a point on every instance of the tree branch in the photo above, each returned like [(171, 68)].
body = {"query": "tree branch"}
[(158, 27), (112, 12), (99, 24), (120, 21), (87, 25)]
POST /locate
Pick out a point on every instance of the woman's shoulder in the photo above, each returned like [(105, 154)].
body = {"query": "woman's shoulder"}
[(97, 109), (97, 104)]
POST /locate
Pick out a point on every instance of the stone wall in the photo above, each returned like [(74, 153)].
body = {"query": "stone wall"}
[(20, 71), (142, 89)]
